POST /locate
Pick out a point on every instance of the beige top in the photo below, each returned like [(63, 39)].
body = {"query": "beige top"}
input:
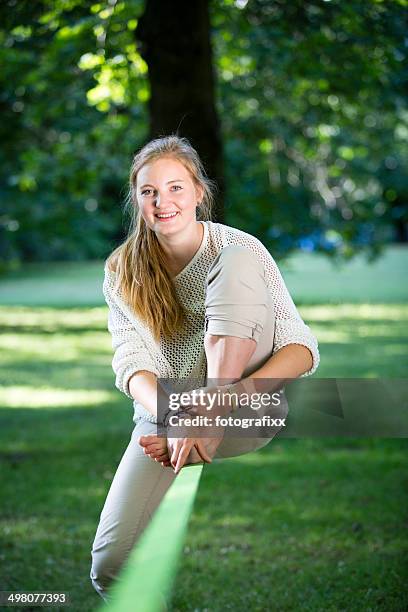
[(184, 355)]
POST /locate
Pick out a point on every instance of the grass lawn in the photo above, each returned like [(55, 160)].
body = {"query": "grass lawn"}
[(318, 524)]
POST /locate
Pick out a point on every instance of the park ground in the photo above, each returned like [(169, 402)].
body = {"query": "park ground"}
[(302, 524)]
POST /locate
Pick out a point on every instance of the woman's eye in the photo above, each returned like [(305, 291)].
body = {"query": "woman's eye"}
[(148, 191)]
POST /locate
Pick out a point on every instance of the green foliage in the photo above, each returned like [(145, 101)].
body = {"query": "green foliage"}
[(72, 114), (310, 97), (314, 119)]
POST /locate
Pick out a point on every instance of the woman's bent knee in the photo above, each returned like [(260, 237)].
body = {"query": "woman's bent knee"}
[(101, 576), (234, 255), (107, 560), (236, 294)]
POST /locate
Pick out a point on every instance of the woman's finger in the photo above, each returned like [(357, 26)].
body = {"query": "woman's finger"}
[(203, 451), (175, 454), (193, 457), (185, 450), (159, 452), (154, 446), (162, 457)]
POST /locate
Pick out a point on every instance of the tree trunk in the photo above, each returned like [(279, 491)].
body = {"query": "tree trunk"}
[(400, 220), (174, 40)]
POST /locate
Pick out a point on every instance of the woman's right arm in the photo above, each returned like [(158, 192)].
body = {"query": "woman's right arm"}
[(132, 360), (143, 388)]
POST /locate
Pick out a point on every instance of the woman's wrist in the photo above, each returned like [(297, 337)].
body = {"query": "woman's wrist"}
[(239, 392), (213, 400), (172, 415)]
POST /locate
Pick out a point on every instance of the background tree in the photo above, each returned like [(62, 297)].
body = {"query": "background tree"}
[(176, 46), (318, 94), (309, 95)]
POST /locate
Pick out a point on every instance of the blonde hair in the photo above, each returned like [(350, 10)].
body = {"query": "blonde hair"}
[(139, 262)]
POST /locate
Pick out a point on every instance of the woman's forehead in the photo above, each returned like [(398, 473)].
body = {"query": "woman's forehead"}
[(163, 165)]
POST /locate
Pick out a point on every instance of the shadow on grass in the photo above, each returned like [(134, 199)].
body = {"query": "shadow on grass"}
[(303, 522), (300, 524)]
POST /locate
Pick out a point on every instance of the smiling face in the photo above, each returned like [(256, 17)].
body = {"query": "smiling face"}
[(165, 187)]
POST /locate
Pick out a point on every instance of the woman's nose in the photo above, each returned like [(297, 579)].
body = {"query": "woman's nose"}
[(159, 200)]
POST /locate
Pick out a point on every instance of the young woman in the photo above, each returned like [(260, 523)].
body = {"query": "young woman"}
[(188, 298)]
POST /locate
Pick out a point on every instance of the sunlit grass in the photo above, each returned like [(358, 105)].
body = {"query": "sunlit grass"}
[(298, 525), (360, 340), (33, 397)]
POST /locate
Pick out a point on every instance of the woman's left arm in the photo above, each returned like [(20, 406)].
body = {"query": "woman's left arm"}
[(291, 361)]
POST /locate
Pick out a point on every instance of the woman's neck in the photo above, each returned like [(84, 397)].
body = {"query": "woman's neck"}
[(181, 250)]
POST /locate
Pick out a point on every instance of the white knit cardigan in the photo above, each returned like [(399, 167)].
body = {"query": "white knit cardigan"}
[(183, 357)]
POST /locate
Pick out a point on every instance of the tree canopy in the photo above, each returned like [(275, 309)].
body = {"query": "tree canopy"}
[(310, 96)]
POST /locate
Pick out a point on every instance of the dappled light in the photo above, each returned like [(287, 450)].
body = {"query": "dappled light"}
[(297, 111)]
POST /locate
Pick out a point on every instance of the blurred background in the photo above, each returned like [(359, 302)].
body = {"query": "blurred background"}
[(298, 111)]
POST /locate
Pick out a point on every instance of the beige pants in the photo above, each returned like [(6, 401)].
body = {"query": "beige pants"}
[(238, 303)]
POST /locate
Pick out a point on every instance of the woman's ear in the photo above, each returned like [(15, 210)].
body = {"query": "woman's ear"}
[(199, 193)]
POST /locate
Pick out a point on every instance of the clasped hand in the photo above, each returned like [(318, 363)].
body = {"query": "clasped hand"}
[(187, 441)]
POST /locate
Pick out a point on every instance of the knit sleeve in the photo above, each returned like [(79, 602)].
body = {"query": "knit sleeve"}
[(131, 354), (289, 325)]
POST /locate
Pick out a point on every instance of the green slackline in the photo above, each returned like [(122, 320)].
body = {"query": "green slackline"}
[(150, 569)]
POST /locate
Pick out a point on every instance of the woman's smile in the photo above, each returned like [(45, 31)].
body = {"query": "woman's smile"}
[(166, 216)]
